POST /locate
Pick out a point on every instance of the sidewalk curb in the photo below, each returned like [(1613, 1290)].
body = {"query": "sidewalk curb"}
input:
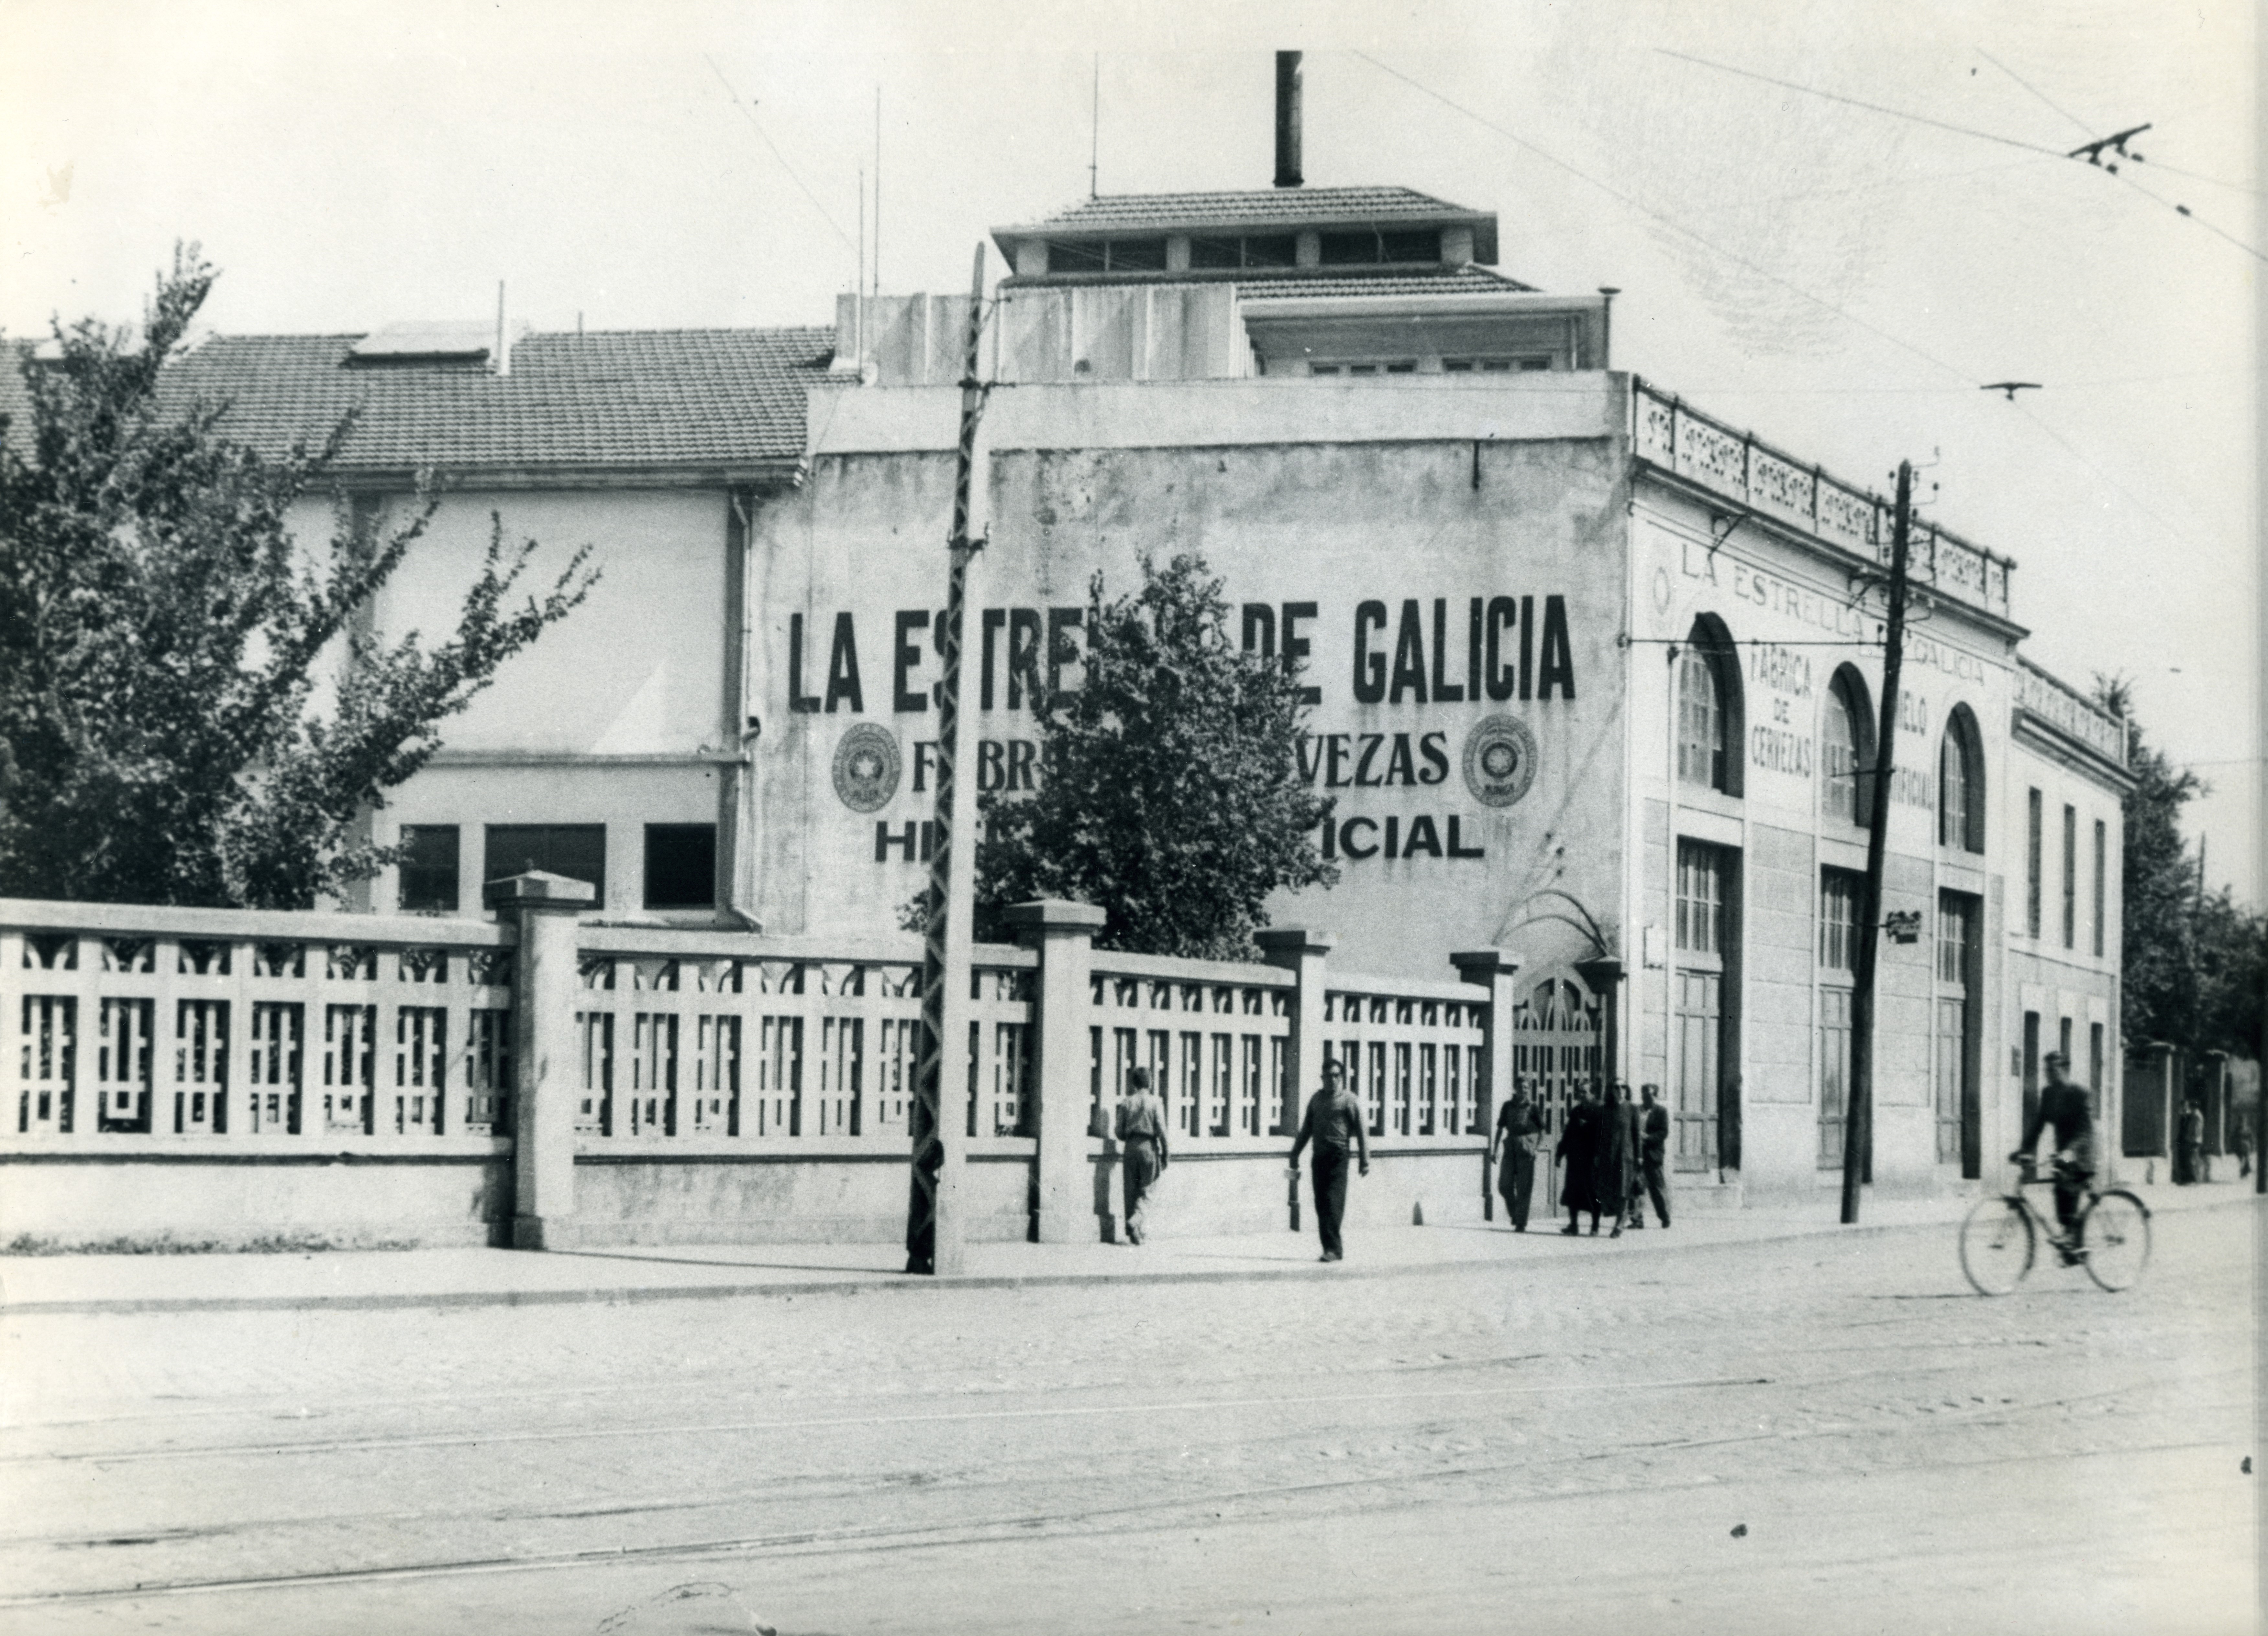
[(635, 1295)]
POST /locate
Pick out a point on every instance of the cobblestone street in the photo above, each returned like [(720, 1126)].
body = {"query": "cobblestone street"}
[(1570, 1441)]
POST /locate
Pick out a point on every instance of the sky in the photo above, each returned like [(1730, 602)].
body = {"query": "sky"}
[(1840, 279)]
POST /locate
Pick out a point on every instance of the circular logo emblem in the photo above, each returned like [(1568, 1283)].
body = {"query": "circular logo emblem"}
[(866, 767), (1499, 760)]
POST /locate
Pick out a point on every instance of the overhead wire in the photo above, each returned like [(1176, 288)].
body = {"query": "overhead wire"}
[(1680, 228), (756, 125), (1671, 223), (2115, 171)]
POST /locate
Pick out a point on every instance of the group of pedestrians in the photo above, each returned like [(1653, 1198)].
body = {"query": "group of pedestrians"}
[(1613, 1151)]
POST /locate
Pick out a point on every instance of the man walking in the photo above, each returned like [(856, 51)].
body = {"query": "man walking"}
[(1654, 1144), (1333, 1122), (2189, 1144), (1580, 1140), (1618, 1157), (1141, 1127), (1519, 1132)]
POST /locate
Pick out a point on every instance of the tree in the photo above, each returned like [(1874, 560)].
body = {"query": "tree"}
[(2158, 887), (2232, 944), (1171, 795), (192, 708)]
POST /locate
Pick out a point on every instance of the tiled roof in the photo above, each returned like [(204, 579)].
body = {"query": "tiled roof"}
[(1449, 281), (1255, 207), (657, 398)]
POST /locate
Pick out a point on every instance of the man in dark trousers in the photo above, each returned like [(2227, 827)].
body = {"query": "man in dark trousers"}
[(1334, 1124), (2063, 1107), (1618, 1157), (1141, 1127), (1519, 1132), (1654, 1144), (1580, 1142), (2189, 1144)]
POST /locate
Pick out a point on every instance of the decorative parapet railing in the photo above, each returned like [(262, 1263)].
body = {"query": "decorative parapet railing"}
[(1415, 1054), (126, 1027), (751, 1041), (1670, 434), (2070, 712), (545, 1042), (1214, 1034)]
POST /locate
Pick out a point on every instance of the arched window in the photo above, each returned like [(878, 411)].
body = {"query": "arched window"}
[(1847, 748), (1709, 710), (1961, 784)]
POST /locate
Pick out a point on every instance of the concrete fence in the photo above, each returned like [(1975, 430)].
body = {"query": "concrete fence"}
[(224, 1077)]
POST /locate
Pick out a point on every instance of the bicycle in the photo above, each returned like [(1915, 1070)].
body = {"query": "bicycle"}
[(2000, 1237)]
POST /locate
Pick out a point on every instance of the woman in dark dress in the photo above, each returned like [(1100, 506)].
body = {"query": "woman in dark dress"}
[(1617, 1153), (1578, 1147)]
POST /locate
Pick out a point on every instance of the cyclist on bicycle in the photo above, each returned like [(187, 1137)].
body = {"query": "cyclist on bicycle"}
[(2065, 1106)]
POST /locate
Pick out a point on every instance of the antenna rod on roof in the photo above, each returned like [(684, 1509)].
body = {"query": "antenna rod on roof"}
[(878, 190), (1287, 119), (503, 352), (1094, 131)]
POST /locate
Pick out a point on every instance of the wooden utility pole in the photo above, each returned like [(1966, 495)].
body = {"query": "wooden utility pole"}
[(1859, 1114), (937, 1118)]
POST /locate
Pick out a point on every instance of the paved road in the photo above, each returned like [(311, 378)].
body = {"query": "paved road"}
[(1565, 1444)]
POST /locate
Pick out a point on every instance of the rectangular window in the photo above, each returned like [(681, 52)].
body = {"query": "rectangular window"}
[(1322, 369), (1349, 249), (1407, 366), (2094, 1063), (1955, 920), (428, 867), (2063, 1041), (1263, 250), (577, 851), (1839, 891), (1408, 246), (1071, 255), (2101, 868), (2031, 1068), (1138, 256), (2032, 864), (2071, 877), (1701, 877), (681, 866)]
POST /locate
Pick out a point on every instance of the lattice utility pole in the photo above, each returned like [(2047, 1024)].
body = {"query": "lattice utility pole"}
[(1858, 1114), (933, 1226)]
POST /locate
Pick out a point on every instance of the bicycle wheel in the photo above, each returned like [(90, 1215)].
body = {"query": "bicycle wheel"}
[(2114, 1235), (1997, 1245)]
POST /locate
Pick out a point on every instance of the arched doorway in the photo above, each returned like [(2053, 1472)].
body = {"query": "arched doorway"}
[(1555, 1031)]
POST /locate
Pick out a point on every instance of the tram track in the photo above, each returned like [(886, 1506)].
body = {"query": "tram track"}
[(1028, 1525)]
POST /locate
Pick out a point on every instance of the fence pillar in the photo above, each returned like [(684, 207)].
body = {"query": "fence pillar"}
[(1495, 970), (1063, 933), (546, 1054), (1302, 952)]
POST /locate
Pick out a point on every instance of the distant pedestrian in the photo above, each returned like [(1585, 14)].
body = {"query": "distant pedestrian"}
[(2189, 1146), (1578, 1148), (2239, 1143), (1653, 1148), (1333, 1123), (1618, 1157), (1519, 1133), (1141, 1127)]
